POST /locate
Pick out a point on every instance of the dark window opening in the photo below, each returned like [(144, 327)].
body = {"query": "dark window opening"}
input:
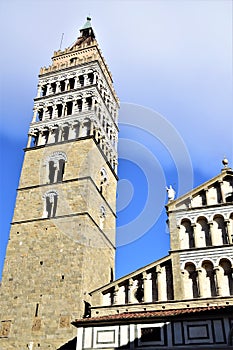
[(35, 140), (69, 107), (45, 136), (71, 83), (150, 334), (91, 78), (44, 90), (53, 88), (169, 280), (51, 172), (81, 80), (50, 112), (191, 238), (139, 294), (208, 238), (62, 85), (73, 60), (80, 105), (61, 170), (40, 114), (56, 135), (65, 133), (51, 205), (59, 110), (89, 103), (219, 193), (203, 197)]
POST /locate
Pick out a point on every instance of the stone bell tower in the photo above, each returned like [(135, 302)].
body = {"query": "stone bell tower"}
[(62, 240)]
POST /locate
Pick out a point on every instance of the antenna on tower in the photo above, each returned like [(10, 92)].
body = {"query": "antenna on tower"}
[(61, 41)]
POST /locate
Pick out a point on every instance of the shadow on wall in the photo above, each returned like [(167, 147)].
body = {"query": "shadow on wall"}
[(70, 345)]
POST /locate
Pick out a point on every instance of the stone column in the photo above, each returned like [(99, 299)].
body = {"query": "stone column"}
[(95, 77), (66, 84), (91, 127), (49, 89), (219, 282), (206, 196), (84, 104), (29, 140), (39, 138), (77, 83), (115, 295), (63, 110), (39, 91), (187, 285), (58, 86), (212, 235), (161, 283), (131, 298), (222, 191), (107, 299), (147, 286), (201, 282), (195, 235), (86, 82), (34, 116)]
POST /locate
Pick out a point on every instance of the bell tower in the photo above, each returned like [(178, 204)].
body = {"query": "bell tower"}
[(62, 239)]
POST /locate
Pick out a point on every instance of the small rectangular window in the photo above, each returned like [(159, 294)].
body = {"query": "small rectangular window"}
[(150, 334)]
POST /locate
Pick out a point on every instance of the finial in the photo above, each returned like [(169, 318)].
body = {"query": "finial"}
[(225, 162)]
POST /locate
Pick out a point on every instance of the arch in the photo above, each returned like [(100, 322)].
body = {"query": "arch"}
[(50, 203), (202, 238), (219, 234), (227, 279), (228, 188), (55, 167), (103, 180), (186, 234), (230, 228), (209, 286), (44, 136), (191, 281)]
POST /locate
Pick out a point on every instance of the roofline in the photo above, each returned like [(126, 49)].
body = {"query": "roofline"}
[(224, 172), (150, 316), (132, 274)]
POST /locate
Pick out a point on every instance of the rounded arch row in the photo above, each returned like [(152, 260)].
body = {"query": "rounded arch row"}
[(204, 233)]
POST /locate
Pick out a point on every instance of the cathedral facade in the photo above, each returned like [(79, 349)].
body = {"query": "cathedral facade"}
[(58, 289)]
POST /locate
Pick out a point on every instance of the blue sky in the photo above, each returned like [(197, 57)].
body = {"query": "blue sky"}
[(172, 68)]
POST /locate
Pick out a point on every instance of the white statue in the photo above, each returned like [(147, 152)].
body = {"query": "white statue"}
[(170, 193)]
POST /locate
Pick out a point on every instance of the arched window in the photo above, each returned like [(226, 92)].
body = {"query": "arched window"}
[(55, 167), (210, 286), (227, 278), (44, 136), (219, 231), (203, 233), (103, 179), (190, 281), (50, 204), (186, 234)]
